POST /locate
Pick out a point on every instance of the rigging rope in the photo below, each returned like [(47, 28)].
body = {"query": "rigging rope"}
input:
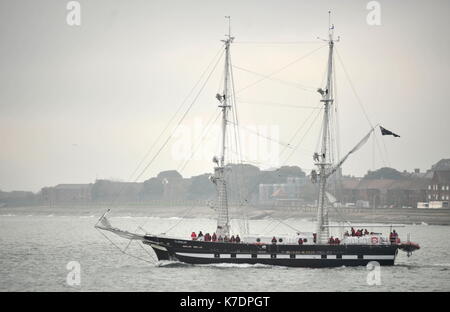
[(300, 128), (304, 135), (281, 69), (276, 42), (288, 83), (358, 99), (128, 254), (182, 219), (262, 136), (181, 119), (217, 56), (179, 122), (275, 104), (177, 111), (248, 86), (211, 121)]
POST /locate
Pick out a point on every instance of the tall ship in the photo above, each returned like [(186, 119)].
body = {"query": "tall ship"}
[(302, 249)]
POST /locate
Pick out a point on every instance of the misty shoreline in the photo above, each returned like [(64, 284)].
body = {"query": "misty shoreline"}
[(359, 215)]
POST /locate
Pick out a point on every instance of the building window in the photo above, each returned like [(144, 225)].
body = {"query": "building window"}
[(443, 187), (429, 187), (429, 196)]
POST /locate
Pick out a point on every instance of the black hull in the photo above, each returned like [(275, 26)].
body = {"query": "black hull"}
[(314, 256)]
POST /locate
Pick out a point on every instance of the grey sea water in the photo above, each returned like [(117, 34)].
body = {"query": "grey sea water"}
[(35, 250)]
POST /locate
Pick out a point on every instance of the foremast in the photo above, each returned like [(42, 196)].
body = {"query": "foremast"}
[(322, 161), (223, 221)]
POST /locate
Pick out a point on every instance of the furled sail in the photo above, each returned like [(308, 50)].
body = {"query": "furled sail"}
[(104, 224)]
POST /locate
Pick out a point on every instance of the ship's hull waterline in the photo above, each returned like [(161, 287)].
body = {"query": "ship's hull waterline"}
[(313, 256)]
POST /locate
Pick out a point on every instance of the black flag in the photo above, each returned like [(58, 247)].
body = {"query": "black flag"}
[(387, 132)]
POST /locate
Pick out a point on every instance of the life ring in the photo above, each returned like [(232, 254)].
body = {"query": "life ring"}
[(374, 240)]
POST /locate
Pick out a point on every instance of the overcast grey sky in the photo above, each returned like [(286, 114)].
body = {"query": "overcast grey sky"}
[(84, 102)]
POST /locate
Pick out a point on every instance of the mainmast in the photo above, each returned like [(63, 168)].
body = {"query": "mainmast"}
[(223, 222), (322, 161)]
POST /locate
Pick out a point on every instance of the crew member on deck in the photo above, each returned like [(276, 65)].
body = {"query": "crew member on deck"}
[(331, 240), (300, 241), (232, 239), (238, 239), (193, 236), (200, 234), (220, 239), (214, 237), (274, 240), (393, 237)]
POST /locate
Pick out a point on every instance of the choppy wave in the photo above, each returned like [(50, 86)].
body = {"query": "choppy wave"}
[(171, 264), (177, 264), (441, 265), (242, 265)]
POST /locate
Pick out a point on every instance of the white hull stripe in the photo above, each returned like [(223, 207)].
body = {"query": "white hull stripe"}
[(285, 256), (308, 256), (380, 257), (195, 255)]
